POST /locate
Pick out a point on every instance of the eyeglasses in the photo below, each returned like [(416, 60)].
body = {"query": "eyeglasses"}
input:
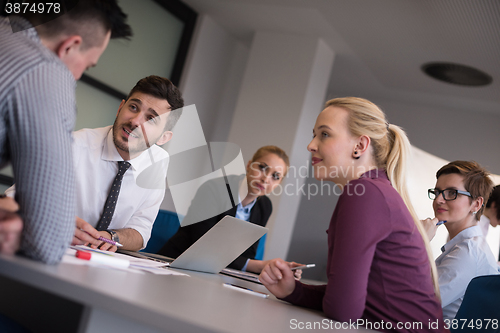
[(448, 194)]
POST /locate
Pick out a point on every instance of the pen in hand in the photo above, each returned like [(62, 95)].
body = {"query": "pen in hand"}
[(440, 222), (303, 267), (103, 239)]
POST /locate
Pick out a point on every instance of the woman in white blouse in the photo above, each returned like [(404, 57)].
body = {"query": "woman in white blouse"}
[(462, 188)]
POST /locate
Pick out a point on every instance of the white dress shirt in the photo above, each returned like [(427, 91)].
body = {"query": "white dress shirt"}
[(96, 157), (492, 235), (464, 257)]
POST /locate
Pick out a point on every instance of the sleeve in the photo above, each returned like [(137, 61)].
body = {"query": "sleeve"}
[(143, 219), (42, 116), (455, 272), (307, 295)]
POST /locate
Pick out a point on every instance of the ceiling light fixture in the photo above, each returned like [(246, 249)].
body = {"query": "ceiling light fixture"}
[(457, 74)]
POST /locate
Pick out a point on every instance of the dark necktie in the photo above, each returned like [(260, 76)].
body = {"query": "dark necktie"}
[(109, 206)]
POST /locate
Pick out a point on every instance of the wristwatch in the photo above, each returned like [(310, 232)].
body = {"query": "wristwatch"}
[(114, 235)]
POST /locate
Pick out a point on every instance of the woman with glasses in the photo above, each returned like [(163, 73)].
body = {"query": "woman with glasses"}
[(461, 190)]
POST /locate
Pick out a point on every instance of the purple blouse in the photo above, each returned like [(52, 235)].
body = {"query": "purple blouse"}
[(378, 269)]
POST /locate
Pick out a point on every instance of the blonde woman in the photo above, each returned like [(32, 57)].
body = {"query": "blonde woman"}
[(379, 270), (264, 173)]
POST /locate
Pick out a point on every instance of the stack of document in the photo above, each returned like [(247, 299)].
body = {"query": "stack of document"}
[(135, 264)]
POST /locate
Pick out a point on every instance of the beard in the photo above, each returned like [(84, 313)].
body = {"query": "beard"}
[(124, 144)]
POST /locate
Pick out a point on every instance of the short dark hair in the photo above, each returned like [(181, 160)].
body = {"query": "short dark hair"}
[(162, 88), (495, 198), (476, 179), (84, 18)]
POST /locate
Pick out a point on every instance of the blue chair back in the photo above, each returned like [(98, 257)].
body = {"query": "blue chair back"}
[(260, 248), (481, 301), (165, 226)]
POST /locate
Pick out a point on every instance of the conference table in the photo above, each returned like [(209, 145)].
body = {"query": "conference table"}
[(78, 298)]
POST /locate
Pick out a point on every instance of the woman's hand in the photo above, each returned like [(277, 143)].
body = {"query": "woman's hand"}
[(256, 266), (298, 272), (278, 278)]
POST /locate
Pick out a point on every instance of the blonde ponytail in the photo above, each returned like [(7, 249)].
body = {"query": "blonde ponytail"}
[(396, 171), (391, 149)]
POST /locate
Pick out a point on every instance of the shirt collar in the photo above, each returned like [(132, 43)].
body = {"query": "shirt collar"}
[(462, 235), (139, 163), (248, 207), (375, 174)]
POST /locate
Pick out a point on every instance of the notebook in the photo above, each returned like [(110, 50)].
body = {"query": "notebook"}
[(217, 248)]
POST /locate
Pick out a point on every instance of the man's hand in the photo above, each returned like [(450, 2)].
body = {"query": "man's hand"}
[(11, 226), (85, 234), (106, 246), (8, 204), (278, 278)]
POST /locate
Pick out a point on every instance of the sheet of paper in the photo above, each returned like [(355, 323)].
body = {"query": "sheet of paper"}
[(139, 265), (70, 258), (159, 271)]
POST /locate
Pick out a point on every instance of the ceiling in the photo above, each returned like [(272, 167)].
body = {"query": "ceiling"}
[(380, 45)]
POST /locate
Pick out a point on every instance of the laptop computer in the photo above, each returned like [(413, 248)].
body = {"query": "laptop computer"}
[(217, 248)]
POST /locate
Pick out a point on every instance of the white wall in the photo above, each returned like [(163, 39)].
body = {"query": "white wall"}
[(450, 133), (442, 131), (211, 80), (283, 88), (212, 76)]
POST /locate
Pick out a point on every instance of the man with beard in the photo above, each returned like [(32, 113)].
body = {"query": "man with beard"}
[(124, 211), (144, 120)]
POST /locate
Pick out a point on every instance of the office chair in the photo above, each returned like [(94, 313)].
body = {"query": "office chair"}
[(481, 302), (165, 226), (259, 255)]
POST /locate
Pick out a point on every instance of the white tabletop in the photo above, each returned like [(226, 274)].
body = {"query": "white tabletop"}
[(198, 303)]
